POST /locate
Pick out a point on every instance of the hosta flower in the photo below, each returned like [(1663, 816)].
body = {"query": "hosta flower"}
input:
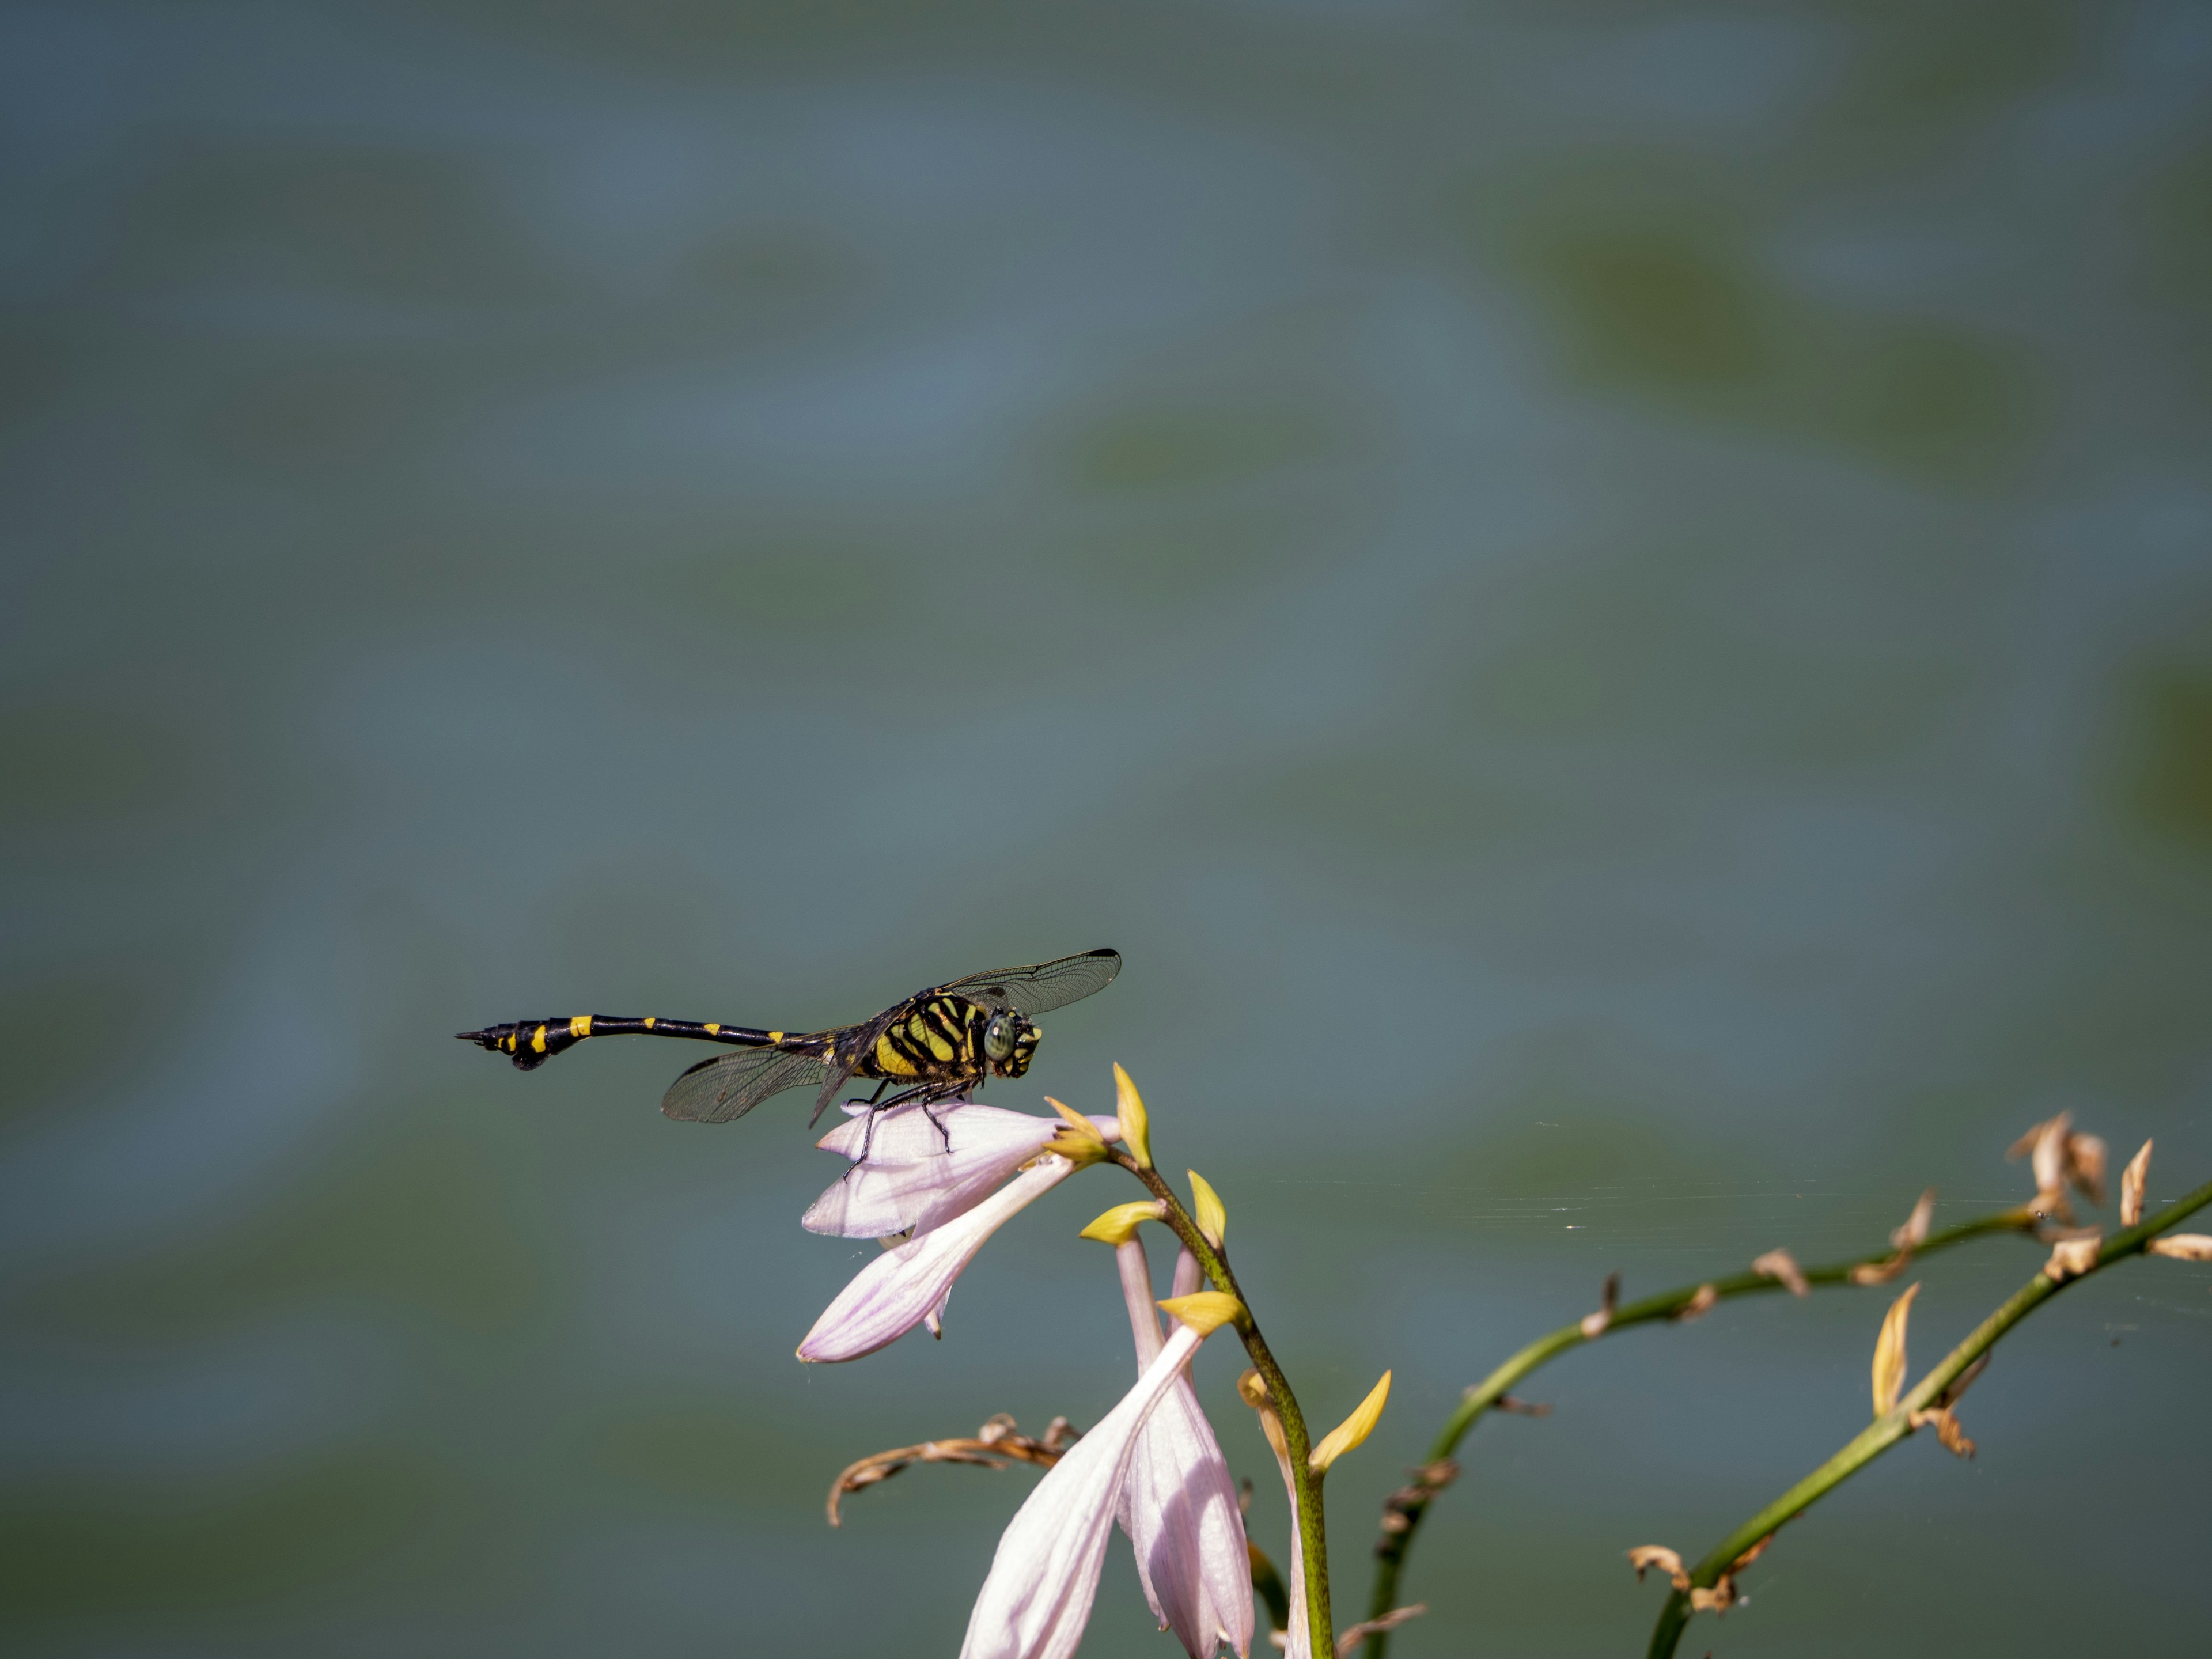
[(910, 1282), (1045, 1575), (1179, 1506), (910, 1180)]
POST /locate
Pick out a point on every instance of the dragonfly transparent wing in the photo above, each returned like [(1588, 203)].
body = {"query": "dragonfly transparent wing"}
[(1039, 987), (726, 1087)]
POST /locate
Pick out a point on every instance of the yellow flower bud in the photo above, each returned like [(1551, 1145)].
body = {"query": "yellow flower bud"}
[(1118, 1225), (1354, 1429), (1206, 1311), (1136, 1127), (1206, 1210), (1078, 1142)]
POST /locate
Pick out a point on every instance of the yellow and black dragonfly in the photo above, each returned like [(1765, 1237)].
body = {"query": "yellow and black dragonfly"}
[(936, 1045)]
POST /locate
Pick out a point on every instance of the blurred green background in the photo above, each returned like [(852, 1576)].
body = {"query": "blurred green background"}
[(1610, 604)]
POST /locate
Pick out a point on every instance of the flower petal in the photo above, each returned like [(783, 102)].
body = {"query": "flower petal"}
[(910, 1180), (1179, 1506), (903, 1286), (1045, 1575)]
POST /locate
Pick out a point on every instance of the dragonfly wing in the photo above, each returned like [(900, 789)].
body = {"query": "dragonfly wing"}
[(726, 1087), (1039, 987), (849, 1047)]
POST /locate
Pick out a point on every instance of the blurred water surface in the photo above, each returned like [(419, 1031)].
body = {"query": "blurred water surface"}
[(1610, 604)]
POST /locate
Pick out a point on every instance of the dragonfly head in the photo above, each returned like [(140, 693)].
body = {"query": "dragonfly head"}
[(1008, 1041)]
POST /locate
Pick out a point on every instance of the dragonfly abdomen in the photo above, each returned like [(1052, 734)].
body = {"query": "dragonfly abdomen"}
[(530, 1042)]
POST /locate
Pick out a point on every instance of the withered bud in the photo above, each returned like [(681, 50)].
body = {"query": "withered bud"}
[(2133, 1179), (1889, 1353), (2045, 1145), (2183, 1247), (1782, 1266), (1717, 1600), (1252, 1388), (1349, 1639), (1881, 1272), (1396, 1520), (1750, 1555), (2085, 1166), (2071, 1257), (1658, 1555), (1914, 1233), (1699, 1305), (1506, 1402), (995, 1445), (1945, 1424), (1594, 1325)]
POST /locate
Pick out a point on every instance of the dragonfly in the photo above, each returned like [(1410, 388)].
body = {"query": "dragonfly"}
[(938, 1044)]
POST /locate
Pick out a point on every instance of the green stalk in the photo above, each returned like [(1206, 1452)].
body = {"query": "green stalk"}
[(1390, 1552), (1886, 1430), (1305, 1481)]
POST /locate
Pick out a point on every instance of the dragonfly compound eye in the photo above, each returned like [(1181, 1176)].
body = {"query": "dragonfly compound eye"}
[(1000, 1035)]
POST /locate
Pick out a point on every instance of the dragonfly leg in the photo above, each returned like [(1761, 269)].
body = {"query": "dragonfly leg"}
[(943, 1134)]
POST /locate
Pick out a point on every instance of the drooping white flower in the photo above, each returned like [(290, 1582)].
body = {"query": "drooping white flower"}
[(1179, 1506), (924, 1166), (1045, 1575), (910, 1282)]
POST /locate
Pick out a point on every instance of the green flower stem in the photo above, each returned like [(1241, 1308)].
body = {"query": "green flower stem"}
[(1312, 1535), (1390, 1552), (1886, 1430)]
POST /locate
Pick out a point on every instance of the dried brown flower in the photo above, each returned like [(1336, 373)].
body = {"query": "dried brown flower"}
[(1699, 1305), (1914, 1233), (1717, 1600), (2060, 1158), (2183, 1247), (1881, 1272), (1947, 1430), (992, 1446), (1904, 1240), (1347, 1640), (1751, 1554), (1782, 1266), (1889, 1353), (2045, 1146), (2085, 1165), (1594, 1325), (1401, 1508), (2072, 1257), (1658, 1555), (1944, 1419), (2133, 1179)]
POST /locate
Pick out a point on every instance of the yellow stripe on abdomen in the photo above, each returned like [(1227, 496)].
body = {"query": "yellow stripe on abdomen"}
[(580, 1026)]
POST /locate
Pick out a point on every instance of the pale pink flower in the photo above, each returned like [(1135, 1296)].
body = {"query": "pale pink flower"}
[(1045, 1575), (908, 1283), (911, 1180), (1179, 1506)]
